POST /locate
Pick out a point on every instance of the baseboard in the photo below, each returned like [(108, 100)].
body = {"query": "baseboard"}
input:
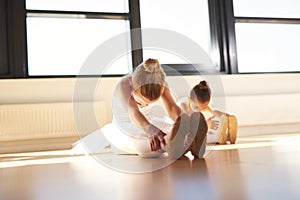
[(35, 145)]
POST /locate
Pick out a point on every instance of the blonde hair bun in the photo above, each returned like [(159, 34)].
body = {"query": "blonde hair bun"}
[(151, 65)]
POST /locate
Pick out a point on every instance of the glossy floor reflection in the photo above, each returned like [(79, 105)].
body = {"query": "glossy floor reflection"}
[(257, 167)]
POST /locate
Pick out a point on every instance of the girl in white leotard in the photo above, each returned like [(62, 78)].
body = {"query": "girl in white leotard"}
[(222, 127)]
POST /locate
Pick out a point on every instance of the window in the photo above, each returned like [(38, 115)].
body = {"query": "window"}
[(267, 35), (59, 46), (263, 47), (267, 8), (61, 35), (58, 43), (115, 6), (45, 38), (189, 19)]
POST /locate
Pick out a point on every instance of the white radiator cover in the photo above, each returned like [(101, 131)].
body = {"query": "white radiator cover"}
[(49, 120)]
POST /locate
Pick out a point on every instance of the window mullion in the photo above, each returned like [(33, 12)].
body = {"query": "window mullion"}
[(4, 70), (135, 34), (230, 37), (16, 31)]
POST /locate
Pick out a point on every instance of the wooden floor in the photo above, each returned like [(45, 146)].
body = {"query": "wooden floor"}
[(257, 167)]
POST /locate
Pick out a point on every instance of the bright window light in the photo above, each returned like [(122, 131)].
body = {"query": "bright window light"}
[(59, 46), (118, 6), (190, 19), (268, 47), (267, 8)]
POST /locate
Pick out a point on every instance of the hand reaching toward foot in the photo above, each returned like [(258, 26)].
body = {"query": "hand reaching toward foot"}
[(157, 140)]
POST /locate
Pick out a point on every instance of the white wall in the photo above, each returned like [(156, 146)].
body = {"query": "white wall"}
[(262, 100)]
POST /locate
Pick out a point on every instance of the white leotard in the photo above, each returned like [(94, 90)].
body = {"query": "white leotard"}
[(123, 134)]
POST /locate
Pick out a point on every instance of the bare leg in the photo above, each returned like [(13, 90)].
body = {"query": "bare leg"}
[(198, 129), (232, 128), (223, 129)]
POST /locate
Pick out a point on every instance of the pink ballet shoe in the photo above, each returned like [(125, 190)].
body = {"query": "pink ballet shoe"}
[(176, 144)]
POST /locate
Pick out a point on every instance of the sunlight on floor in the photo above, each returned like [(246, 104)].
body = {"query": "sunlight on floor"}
[(65, 156), (261, 141), (35, 158)]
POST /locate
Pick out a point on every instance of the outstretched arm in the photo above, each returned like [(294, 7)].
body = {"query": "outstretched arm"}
[(155, 134), (173, 110), (130, 105)]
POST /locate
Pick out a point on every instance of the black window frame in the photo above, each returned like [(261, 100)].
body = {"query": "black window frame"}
[(223, 34), (14, 63), (13, 40), (243, 19), (4, 70)]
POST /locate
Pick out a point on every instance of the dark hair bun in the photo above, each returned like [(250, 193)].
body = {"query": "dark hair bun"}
[(203, 85)]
